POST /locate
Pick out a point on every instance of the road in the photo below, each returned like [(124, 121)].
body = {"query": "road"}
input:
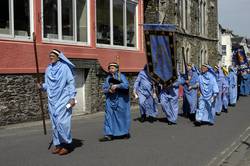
[(151, 144)]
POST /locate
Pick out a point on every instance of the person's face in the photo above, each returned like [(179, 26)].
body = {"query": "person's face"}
[(53, 58), (204, 69), (112, 69)]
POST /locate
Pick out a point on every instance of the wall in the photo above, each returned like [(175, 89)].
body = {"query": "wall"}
[(168, 11)]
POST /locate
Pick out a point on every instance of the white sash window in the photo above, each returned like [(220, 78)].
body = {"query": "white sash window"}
[(16, 18), (116, 23), (65, 20)]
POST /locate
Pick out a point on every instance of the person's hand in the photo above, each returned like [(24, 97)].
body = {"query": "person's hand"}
[(111, 91), (72, 102), (113, 87), (154, 95), (135, 94), (190, 87)]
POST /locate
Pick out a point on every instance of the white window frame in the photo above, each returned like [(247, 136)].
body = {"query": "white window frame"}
[(12, 36), (111, 45), (59, 19)]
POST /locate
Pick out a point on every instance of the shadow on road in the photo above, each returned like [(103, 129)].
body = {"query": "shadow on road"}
[(76, 143)]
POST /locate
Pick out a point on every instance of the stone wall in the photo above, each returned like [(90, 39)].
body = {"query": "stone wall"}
[(19, 99), (168, 11)]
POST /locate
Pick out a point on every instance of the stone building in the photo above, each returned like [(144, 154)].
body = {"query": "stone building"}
[(197, 27)]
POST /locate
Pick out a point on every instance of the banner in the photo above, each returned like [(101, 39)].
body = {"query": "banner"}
[(161, 52)]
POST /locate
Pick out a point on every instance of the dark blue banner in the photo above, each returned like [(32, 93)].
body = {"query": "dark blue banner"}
[(160, 50)]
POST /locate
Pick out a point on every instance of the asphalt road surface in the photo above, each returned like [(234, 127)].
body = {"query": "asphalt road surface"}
[(151, 144)]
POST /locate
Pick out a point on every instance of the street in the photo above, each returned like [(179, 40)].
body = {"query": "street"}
[(151, 144)]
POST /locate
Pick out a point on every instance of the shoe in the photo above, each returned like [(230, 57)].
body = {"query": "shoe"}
[(127, 136), (105, 138), (151, 119), (63, 151), (210, 124), (232, 105), (56, 150), (217, 113), (197, 123), (225, 110), (143, 118), (171, 123)]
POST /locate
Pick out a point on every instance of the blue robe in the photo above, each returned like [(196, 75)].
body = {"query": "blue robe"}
[(169, 101), (225, 93), (60, 87), (117, 112), (232, 87), (244, 84), (208, 89), (143, 86), (190, 96), (248, 83), (220, 79)]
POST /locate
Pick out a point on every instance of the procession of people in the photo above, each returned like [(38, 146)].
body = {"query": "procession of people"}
[(207, 92)]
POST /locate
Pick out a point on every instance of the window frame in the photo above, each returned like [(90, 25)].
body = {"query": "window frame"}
[(12, 35), (59, 22), (111, 45)]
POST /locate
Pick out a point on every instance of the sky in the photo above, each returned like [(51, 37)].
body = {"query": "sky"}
[(235, 15)]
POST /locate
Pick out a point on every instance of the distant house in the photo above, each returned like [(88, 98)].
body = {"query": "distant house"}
[(226, 47)]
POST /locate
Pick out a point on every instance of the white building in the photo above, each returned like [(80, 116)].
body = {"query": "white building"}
[(226, 47)]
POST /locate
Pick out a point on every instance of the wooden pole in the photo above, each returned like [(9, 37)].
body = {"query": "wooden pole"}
[(38, 80)]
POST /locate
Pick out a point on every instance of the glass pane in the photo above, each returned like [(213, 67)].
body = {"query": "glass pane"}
[(118, 28), (131, 24), (103, 21), (82, 29), (4, 17), (67, 20), (50, 24), (22, 17)]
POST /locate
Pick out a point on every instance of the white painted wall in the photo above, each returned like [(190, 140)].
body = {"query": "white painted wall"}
[(226, 40)]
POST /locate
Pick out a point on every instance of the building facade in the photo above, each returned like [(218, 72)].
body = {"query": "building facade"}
[(226, 47), (197, 32), (91, 33)]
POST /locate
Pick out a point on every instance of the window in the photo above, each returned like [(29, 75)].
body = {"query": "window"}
[(65, 20), (116, 22), (224, 49), (15, 18)]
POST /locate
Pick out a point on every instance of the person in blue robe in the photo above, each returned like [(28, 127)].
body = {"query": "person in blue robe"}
[(243, 83), (220, 79), (208, 91), (248, 81), (60, 87), (117, 112), (232, 86), (190, 94), (169, 101), (225, 90), (145, 91)]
